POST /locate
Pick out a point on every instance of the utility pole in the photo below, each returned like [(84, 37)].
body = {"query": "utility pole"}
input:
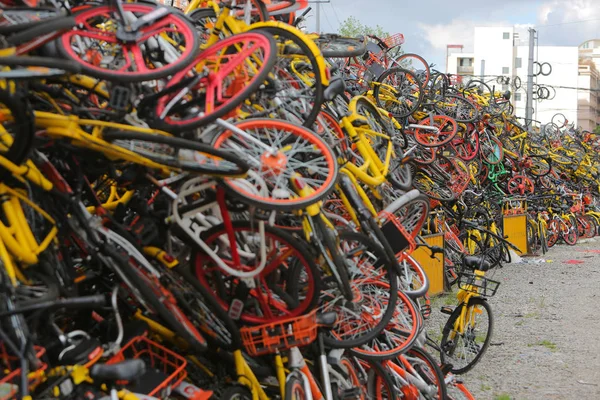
[(529, 104), (482, 70), (318, 14)]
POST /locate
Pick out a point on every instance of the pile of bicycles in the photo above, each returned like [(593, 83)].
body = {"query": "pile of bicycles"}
[(210, 203)]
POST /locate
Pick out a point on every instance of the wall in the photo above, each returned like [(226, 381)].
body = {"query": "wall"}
[(489, 45), (564, 61)]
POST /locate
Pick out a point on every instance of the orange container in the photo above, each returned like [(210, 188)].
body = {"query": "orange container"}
[(282, 335)]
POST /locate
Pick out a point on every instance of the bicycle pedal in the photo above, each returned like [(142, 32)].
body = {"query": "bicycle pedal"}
[(426, 311), (120, 98), (447, 309)]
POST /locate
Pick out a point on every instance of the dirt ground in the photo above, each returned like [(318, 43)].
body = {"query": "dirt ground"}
[(546, 339)]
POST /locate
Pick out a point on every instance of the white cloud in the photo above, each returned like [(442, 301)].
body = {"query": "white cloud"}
[(458, 31)]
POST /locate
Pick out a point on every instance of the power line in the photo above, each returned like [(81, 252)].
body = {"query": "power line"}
[(327, 19), (567, 23), (335, 13)]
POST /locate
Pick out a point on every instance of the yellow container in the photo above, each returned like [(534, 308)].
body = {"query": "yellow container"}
[(434, 268), (515, 228)]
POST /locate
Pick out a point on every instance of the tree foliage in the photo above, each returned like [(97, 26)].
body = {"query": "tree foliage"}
[(353, 27)]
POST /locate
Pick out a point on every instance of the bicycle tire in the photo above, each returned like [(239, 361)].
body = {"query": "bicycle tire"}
[(266, 182), (175, 17), (425, 72), (425, 138), (473, 302), (282, 282), (541, 165), (464, 112), (411, 92), (434, 376), (490, 148), (185, 116), (400, 335), (336, 46), (315, 91), (152, 293), (216, 325), (237, 166), (571, 235), (376, 323)]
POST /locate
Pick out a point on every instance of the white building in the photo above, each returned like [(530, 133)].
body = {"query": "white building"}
[(589, 84), (501, 51)]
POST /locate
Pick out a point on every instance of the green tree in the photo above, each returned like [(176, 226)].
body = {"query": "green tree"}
[(597, 130), (353, 27)]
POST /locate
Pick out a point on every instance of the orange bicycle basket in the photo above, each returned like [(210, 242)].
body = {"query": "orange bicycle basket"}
[(281, 335)]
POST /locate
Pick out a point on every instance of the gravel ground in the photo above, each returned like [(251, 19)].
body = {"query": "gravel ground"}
[(546, 341)]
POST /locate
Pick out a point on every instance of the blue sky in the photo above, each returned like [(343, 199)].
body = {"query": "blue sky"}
[(428, 25)]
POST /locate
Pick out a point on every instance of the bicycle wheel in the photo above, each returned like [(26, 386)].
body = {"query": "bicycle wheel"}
[(416, 64), (399, 335), (543, 237), (520, 184), (334, 46), (105, 49), (555, 227), (288, 286), (398, 91), (277, 152), (295, 389), (152, 294), (413, 279), (296, 92), (490, 148), (540, 166), (375, 290), (216, 82), (433, 188), (180, 153), (464, 349), (457, 107), (569, 232), (466, 143), (202, 308), (426, 367), (411, 211), (442, 131), (533, 242)]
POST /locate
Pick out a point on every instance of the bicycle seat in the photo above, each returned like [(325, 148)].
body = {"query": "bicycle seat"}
[(127, 370), (336, 86), (327, 320), (476, 263)]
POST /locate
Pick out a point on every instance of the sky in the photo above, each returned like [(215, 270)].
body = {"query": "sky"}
[(429, 25)]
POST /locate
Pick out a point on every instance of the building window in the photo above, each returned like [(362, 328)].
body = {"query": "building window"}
[(504, 88), (466, 62), (518, 62), (506, 35), (586, 45), (505, 70), (517, 96)]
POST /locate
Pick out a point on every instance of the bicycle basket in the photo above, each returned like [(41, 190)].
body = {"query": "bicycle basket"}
[(397, 236), (394, 40), (282, 335), (166, 369), (10, 373), (477, 284)]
